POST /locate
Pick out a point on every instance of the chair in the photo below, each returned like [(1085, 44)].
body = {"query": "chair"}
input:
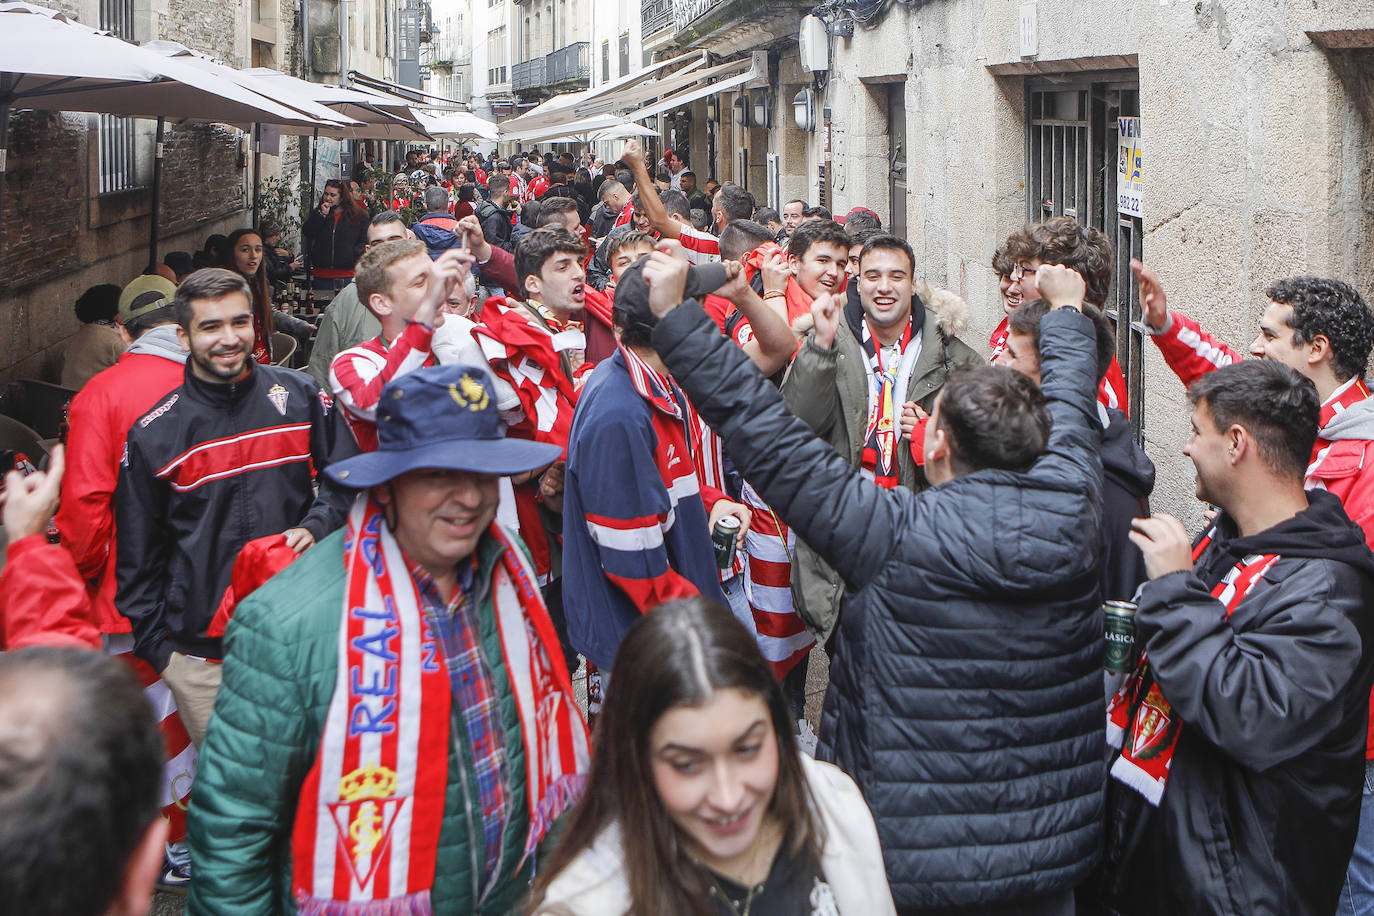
[(283, 348), (16, 437), (40, 405)]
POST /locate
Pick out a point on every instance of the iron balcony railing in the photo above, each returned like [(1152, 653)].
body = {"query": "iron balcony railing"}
[(572, 63), (655, 15)]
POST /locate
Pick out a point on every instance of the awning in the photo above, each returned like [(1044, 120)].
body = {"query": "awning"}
[(624, 92), (574, 130), (709, 82)]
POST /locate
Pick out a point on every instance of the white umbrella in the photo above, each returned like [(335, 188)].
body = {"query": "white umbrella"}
[(50, 62), (302, 116), (458, 125), (374, 114)]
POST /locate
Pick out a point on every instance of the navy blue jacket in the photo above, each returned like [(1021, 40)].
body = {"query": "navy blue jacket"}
[(646, 535), (966, 684)]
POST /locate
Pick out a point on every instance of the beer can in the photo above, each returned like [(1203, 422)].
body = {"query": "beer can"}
[(1119, 617), (723, 537)]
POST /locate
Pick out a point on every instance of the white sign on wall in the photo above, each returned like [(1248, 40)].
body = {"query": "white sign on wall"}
[(1129, 177), (1030, 42)]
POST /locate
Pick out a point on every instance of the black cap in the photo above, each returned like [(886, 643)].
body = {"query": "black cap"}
[(632, 292)]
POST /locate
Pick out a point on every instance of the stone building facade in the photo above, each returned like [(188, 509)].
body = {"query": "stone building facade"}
[(62, 235), (958, 121)]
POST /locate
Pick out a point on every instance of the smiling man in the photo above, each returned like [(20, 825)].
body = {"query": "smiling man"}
[(887, 347), (1247, 710), (227, 457), (397, 731)]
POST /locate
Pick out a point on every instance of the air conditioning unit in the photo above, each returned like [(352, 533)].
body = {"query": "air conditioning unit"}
[(813, 45)]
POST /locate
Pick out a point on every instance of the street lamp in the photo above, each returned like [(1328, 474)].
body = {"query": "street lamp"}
[(742, 109)]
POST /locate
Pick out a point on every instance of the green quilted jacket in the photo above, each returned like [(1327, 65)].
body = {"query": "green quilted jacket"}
[(279, 669)]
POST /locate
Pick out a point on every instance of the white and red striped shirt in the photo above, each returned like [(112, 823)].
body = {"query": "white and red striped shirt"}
[(702, 247), (358, 374)]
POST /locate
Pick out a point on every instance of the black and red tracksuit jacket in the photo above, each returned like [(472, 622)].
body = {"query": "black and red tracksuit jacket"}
[(207, 470)]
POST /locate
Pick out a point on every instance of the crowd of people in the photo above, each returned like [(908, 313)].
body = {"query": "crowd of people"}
[(506, 603)]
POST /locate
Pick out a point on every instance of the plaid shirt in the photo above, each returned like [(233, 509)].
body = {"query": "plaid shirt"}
[(457, 630)]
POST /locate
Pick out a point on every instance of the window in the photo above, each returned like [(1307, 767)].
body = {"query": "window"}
[(1071, 167), (606, 61), (496, 55), (118, 136), (624, 55), (896, 158)]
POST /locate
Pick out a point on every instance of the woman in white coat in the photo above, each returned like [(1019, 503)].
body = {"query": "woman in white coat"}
[(699, 801)]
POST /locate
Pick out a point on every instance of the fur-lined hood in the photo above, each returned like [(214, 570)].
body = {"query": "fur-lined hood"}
[(951, 312)]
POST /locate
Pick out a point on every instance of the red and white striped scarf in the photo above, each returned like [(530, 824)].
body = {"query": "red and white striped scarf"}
[(366, 836), (1140, 710)]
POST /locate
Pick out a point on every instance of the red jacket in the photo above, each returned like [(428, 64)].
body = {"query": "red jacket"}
[(43, 600), (100, 417), (1343, 458)]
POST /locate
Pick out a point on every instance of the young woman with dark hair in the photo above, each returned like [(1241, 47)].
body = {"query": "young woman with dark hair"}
[(699, 801), (335, 234), (244, 254), (247, 256)]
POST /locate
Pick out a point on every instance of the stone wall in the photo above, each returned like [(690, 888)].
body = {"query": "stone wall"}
[(1257, 153), (61, 237)]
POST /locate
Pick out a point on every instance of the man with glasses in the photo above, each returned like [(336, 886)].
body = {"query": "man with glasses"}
[(1061, 240)]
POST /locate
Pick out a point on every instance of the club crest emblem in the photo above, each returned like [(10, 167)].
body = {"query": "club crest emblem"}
[(1155, 726), (364, 816), (277, 395), (469, 393)]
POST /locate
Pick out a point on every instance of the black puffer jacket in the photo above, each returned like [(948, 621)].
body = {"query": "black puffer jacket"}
[(966, 687), (1263, 800), (1128, 477)]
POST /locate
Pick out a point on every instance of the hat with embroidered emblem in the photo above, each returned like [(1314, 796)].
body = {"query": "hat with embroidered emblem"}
[(441, 417)]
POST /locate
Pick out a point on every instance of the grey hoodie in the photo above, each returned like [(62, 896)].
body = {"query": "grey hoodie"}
[(160, 341), (1355, 422)]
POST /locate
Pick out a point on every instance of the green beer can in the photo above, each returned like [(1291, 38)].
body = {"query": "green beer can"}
[(1119, 617)]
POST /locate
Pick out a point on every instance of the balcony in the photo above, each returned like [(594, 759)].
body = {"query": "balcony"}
[(729, 27), (570, 64), (685, 11), (655, 15)]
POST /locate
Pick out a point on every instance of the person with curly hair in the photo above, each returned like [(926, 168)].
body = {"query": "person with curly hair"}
[(1324, 330), (1060, 240)]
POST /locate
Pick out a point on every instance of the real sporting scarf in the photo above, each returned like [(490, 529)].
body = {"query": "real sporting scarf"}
[(366, 835), (879, 456), (1139, 709)]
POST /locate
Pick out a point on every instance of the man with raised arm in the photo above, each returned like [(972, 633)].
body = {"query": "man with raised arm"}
[(966, 686)]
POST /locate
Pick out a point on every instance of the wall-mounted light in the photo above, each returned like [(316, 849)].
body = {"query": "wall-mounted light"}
[(763, 110), (804, 109), (741, 106)]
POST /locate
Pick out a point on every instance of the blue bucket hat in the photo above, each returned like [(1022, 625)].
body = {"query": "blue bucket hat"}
[(441, 417)]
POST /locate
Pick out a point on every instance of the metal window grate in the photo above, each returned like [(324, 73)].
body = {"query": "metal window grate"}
[(1071, 159), (117, 136), (117, 16)]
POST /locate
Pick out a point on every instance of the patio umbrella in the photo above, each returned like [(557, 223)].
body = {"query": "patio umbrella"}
[(375, 115), (50, 62), (614, 132), (458, 125)]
